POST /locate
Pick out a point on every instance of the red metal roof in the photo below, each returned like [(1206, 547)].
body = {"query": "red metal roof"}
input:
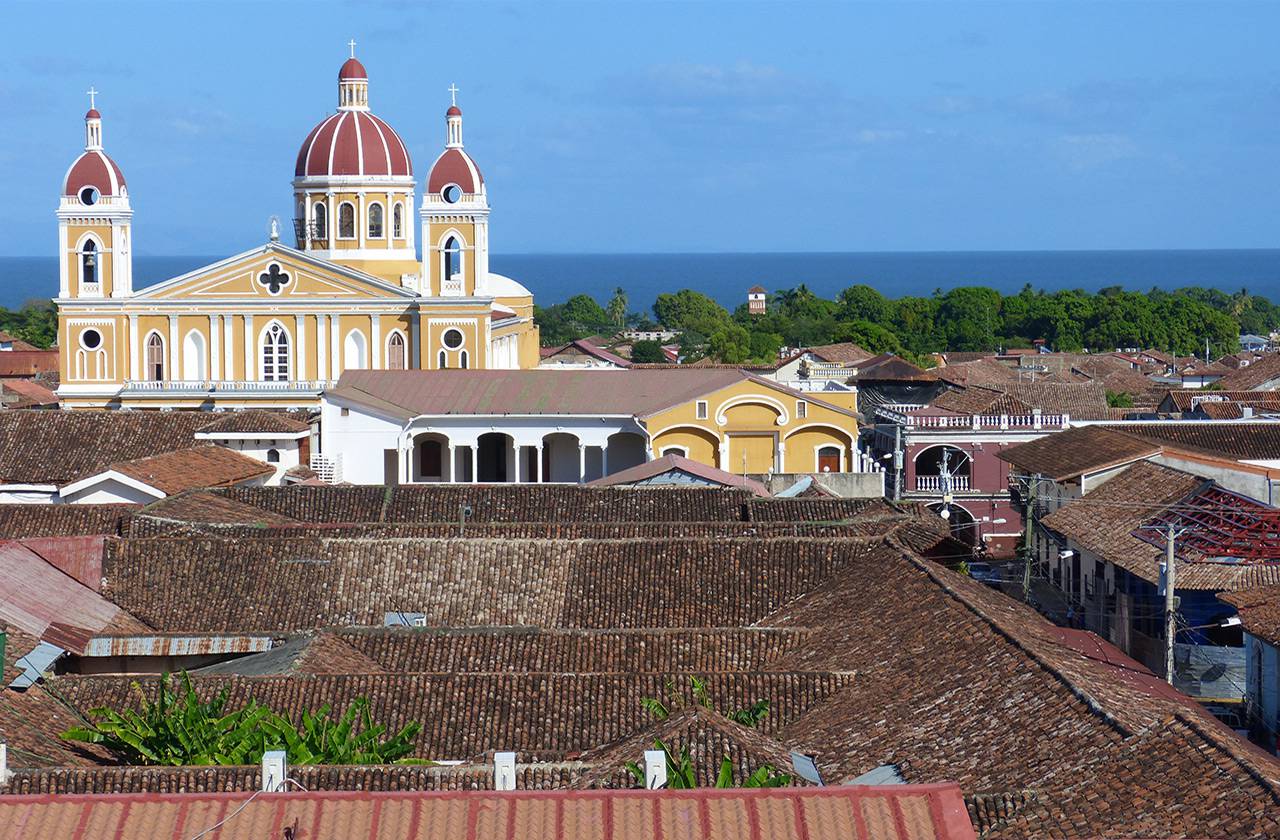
[(352, 69), (899, 812), (455, 166), (41, 600)]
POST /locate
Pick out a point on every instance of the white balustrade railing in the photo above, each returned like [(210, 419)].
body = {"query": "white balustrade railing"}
[(1019, 422), (933, 483), (238, 385)]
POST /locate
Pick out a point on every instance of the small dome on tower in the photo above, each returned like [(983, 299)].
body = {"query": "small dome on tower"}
[(93, 174), (352, 69), (454, 167)]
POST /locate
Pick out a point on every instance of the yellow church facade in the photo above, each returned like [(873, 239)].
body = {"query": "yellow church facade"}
[(278, 324)]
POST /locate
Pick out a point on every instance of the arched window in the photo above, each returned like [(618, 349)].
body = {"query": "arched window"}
[(462, 360), (444, 360), (353, 351), (397, 221), (395, 352), (193, 361), (451, 266), (319, 220), (89, 262), (375, 221), (273, 456), (155, 358), (346, 220), (275, 353)]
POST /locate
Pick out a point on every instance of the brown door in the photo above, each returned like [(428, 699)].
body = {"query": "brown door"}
[(828, 459)]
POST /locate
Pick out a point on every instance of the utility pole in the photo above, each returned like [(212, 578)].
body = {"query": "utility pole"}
[(1032, 484), (1170, 604)]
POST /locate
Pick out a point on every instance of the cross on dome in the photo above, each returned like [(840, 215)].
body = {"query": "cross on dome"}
[(453, 94), (352, 45), (92, 91)]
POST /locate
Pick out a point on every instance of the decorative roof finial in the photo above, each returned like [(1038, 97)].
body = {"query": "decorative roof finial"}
[(453, 95), (352, 45), (92, 91)]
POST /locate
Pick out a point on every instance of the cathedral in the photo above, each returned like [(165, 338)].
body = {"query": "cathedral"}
[(276, 325)]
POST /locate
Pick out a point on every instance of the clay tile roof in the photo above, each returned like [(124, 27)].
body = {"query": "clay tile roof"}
[(54, 447), (24, 521), (1253, 376), (907, 813), (846, 353), (31, 722), (255, 422), (207, 507), (1237, 441), (1073, 452), (198, 466), (977, 400), (1259, 609), (677, 463), (17, 343), (29, 393)]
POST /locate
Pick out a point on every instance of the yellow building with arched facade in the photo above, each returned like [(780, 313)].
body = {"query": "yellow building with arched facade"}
[(277, 324)]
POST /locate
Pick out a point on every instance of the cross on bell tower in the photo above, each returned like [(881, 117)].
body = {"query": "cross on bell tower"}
[(453, 95), (352, 45)]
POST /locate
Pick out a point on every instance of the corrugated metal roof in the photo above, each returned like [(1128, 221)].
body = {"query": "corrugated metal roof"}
[(47, 603), (899, 812)]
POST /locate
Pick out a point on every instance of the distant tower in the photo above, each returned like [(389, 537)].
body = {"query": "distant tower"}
[(455, 219), (756, 300), (94, 222)]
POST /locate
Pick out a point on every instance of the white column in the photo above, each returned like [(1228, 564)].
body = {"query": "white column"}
[(453, 465), (582, 462), (779, 457), (228, 347), (335, 345), (604, 460), (537, 470), (375, 343), (475, 462), (322, 357), (215, 347), (135, 348), (250, 368), (64, 270), (175, 368), (300, 347), (330, 232), (362, 222)]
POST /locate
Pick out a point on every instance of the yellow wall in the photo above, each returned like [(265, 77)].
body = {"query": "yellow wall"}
[(751, 428)]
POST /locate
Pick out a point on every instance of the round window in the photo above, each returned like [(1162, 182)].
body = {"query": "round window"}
[(451, 193), (91, 339), (89, 195), (453, 339)]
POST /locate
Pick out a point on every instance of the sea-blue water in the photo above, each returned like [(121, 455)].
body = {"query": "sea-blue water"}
[(726, 277)]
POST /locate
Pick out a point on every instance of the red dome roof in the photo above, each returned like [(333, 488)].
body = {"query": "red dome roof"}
[(353, 143), (454, 111), (92, 114), (352, 69), (94, 169), (455, 166)]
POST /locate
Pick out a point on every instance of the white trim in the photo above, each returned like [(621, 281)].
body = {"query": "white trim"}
[(684, 450), (252, 435), (363, 345), (202, 345), (742, 399), (290, 346), (164, 355), (818, 424), (368, 212), (355, 223), (110, 475)]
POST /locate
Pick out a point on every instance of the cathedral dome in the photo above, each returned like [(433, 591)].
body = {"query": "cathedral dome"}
[(353, 142)]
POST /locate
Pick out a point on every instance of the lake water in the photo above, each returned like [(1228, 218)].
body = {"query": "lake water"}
[(726, 277)]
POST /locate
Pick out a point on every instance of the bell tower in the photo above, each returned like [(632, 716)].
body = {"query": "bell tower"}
[(455, 219), (95, 255)]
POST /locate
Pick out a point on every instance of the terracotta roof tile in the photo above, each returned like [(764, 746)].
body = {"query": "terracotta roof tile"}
[(1072, 452), (1253, 376), (1238, 441), (257, 422), (198, 466), (24, 521), (1259, 609), (55, 447)]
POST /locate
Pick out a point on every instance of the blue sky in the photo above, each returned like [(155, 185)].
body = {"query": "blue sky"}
[(699, 126)]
